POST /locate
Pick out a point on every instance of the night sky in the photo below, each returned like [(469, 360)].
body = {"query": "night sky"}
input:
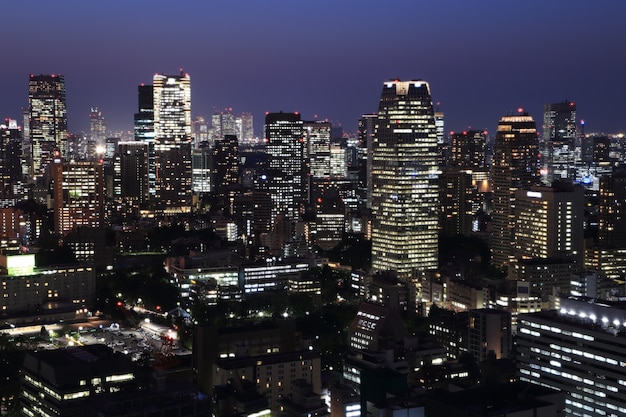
[(325, 58)]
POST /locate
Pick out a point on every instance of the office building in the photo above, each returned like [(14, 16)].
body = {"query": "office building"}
[(549, 223), (559, 141), (515, 167), (202, 169), (10, 158), (578, 349), (317, 136), (47, 121), (133, 171), (285, 166), (172, 142), (226, 170), (28, 290), (366, 131), (97, 126), (144, 130), (78, 193), (467, 149), (405, 195), (612, 209)]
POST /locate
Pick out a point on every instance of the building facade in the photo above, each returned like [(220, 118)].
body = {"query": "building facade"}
[(515, 167), (172, 142), (404, 181)]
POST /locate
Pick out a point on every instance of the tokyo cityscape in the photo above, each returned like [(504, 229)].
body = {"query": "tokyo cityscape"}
[(273, 209)]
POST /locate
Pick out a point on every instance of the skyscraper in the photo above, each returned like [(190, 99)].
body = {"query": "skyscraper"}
[(367, 126), (286, 165), (404, 181), (515, 166), (144, 130), (47, 120), (97, 126), (226, 170), (133, 171), (172, 142), (78, 194), (559, 141)]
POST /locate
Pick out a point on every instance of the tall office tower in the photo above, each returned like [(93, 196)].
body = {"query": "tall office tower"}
[(317, 137), (247, 127), (78, 193), (559, 141), (515, 167), (223, 124), (549, 222), (200, 129), (133, 162), (612, 209), (172, 142), (10, 158), (405, 196), (201, 169), (47, 120), (367, 125), (226, 170), (285, 164), (144, 130), (467, 149), (439, 127), (457, 196), (338, 162), (97, 126)]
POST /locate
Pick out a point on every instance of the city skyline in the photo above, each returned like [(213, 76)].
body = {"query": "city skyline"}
[(481, 60)]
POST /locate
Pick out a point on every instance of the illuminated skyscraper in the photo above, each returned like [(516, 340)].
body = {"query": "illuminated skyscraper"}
[(286, 165), (144, 130), (78, 194), (404, 181), (367, 125), (172, 142), (10, 157), (515, 167), (97, 126), (47, 120), (317, 136), (226, 170), (559, 141)]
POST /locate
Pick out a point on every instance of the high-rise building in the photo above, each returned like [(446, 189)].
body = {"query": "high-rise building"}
[(144, 130), (47, 121), (172, 142), (133, 171), (286, 165), (612, 209), (201, 165), (559, 141), (10, 157), (97, 126), (549, 223), (440, 127), (78, 193), (489, 333), (467, 150), (226, 170), (247, 127), (404, 181), (515, 167), (317, 136), (367, 125)]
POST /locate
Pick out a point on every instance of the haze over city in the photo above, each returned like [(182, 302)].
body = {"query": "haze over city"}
[(323, 59)]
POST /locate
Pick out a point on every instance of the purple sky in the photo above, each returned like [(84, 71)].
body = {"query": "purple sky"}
[(483, 59)]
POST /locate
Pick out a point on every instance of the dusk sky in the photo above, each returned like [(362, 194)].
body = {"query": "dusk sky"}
[(483, 59)]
